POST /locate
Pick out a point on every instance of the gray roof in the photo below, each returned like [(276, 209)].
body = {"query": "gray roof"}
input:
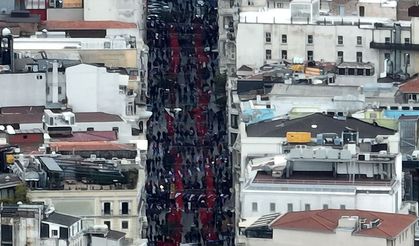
[(61, 219), (324, 124), (51, 164), (115, 235), (265, 220), (9, 180)]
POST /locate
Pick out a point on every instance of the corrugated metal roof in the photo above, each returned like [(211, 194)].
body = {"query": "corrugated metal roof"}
[(51, 164)]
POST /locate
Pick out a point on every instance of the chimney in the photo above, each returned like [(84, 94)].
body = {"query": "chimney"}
[(55, 82)]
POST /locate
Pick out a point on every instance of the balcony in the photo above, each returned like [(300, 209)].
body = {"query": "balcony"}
[(393, 46)]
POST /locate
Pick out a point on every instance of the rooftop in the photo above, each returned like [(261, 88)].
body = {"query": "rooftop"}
[(27, 115), (411, 86), (87, 25), (315, 123), (96, 117), (61, 219), (319, 178), (92, 146), (326, 221), (89, 136), (9, 180)]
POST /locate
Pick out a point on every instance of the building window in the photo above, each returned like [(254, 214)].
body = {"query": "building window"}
[(342, 206), (310, 39), (340, 56), (407, 40), (107, 208), (406, 59), (47, 90), (90, 129), (289, 207), (124, 225), (284, 54), (268, 54), (38, 77), (108, 224), (55, 233), (272, 207), (268, 37), (280, 5), (412, 97), (325, 206), (358, 56), (124, 208), (361, 11), (359, 40), (310, 55), (234, 120), (284, 38), (307, 207), (387, 40), (122, 89), (60, 90), (254, 206), (340, 40), (360, 71), (351, 71)]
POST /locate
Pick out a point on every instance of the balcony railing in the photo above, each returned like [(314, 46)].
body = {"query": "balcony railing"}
[(325, 182), (393, 46)]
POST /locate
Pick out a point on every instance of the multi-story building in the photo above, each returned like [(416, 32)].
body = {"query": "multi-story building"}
[(334, 227), (100, 192), (24, 224), (284, 34)]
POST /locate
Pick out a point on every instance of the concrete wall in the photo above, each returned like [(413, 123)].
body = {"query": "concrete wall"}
[(87, 204), (376, 10), (340, 237), (316, 199), (26, 231), (93, 89), (324, 47), (22, 89), (6, 6), (124, 129), (104, 241), (65, 14), (111, 58), (116, 10)]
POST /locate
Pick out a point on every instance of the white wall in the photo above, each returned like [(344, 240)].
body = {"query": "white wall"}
[(342, 238), (93, 89), (87, 204), (251, 44), (316, 199), (115, 10), (124, 129), (22, 89)]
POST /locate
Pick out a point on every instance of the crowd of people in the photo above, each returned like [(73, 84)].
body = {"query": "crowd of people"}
[(189, 177)]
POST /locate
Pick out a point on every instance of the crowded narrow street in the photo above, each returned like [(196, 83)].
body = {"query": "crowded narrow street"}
[(189, 179)]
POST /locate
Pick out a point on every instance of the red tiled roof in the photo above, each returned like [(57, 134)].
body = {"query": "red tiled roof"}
[(95, 145), (20, 118), (96, 117), (390, 225), (22, 110), (87, 25), (411, 86), (88, 136)]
